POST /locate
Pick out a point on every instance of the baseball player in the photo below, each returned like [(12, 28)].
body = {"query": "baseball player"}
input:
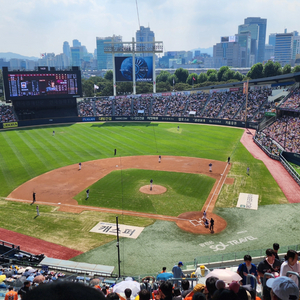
[(37, 210), (53, 133), (87, 194), (248, 171), (151, 181), (79, 165), (210, 167), (159, 158), (33, 198)]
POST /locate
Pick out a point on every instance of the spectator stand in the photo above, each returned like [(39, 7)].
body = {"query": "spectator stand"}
[(141, 106), (86, 108), (7, 114), (123, 106), (103, 107), (214, 104), (196, 103)]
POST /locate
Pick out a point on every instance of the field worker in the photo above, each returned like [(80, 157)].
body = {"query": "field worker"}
[(151, 181), (210, 167)]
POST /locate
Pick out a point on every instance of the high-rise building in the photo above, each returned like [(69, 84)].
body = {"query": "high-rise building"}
[(262, 24), (272, 39), (76, 56), (144, 34), (253, 30), (66, 49), (233, 51), (76, 43), (283, 52), (104, 60)]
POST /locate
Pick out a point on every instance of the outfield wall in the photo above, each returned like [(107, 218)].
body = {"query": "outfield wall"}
[(194, 120)]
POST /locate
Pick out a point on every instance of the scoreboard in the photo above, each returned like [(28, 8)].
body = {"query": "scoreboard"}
[(19, 85)]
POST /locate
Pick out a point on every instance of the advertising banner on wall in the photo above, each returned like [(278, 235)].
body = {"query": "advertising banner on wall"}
[(143, 69)]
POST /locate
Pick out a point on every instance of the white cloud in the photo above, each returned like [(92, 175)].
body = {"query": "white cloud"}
[(32, 27)]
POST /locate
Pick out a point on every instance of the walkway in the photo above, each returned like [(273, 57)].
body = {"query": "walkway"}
[(285, 181)]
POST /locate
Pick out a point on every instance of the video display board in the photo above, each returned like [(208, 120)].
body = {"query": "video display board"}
[(49, 84), (143, 69)]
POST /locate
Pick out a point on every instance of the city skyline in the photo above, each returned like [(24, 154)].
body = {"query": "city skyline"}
[(43, 26)]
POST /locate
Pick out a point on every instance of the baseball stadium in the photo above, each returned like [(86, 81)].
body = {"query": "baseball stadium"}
[(127, 183)]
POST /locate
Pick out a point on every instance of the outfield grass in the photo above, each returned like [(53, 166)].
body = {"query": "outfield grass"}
[(120, 190), (28, 152), (67, 229), (259, 182)]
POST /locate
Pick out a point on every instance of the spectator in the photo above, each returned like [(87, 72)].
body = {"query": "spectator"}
[(269, 265), (247, 268), (185, 285), (210, 284), (165, 291), (25, 289), (177, 272), (276, 248), (283, 288), (290, 264), (63, 290)]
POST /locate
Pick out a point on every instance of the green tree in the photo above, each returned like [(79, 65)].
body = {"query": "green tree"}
[(212, 77), (182, 75), (272, 69), (227, 75), (182, 86), (296, 69), (163, 76), (162, 87), (202, 77), (256, 71), (108, 89), (211, 71), (238, 76), (222, 70), (87, 88), (170, 80), (144, 88), (109, 75), (287, 69), (190, 80)]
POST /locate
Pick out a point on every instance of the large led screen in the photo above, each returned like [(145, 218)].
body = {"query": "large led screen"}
[(33, 85), (143, 69)]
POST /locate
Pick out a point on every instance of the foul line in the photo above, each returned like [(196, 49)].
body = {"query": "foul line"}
[(223, 178)]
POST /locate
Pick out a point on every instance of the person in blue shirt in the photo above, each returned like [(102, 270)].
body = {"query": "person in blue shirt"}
[(177, 272), (247, 268)]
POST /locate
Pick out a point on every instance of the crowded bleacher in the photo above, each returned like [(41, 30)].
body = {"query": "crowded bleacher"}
[(6, 114), (243, 280)]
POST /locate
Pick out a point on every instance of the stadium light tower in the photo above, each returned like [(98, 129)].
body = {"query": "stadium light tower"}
[(134, 48)]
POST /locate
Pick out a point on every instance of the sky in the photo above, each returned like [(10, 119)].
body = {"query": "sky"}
[(32, 27)]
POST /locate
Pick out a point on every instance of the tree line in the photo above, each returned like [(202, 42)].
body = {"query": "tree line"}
[(181, 80)]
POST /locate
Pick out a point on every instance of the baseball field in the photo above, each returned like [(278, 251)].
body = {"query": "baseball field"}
[(31, 153)]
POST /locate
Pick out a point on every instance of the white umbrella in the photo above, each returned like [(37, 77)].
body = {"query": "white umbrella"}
[(128, 283), (226, 275)]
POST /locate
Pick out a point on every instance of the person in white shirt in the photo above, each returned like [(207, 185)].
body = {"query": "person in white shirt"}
[(291, 264)]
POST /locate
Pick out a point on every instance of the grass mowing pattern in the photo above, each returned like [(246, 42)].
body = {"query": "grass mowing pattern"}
[(120, 190), (67, 229), (28, 152), (259, 182)]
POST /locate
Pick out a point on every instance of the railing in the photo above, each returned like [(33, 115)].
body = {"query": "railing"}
[(291, 171)]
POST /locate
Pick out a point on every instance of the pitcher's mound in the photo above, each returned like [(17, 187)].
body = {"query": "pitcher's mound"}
[(156, 189)]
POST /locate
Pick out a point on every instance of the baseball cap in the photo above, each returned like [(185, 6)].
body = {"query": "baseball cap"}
[(180, 263), (284, 288)]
